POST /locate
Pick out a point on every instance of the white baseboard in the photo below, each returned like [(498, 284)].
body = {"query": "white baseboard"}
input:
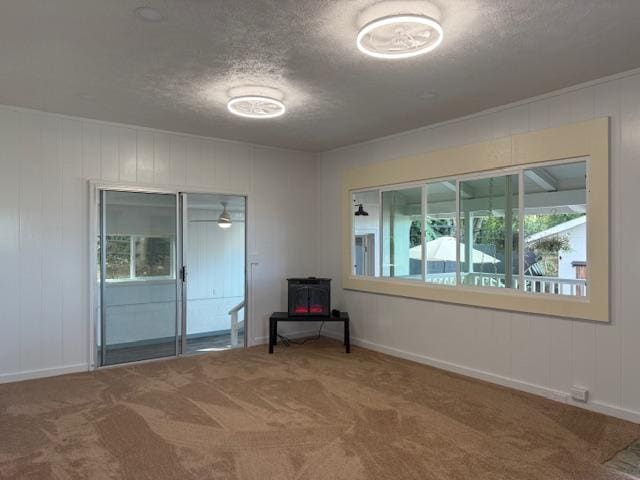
[(43, 372), (83, 367), (551, 394)]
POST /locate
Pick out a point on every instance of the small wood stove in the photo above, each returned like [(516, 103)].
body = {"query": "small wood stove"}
[(309, 297)]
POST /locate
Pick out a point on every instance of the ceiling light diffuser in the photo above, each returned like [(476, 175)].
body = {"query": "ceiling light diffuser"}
[(400, 36), (256, 106)]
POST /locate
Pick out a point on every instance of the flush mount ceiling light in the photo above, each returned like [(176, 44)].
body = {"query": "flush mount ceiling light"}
[(224, 220), (256, 106), (149, 14), (400, 36)]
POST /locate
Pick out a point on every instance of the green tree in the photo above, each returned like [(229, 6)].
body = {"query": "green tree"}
[(538, 223), (434, 228), (415, 233)]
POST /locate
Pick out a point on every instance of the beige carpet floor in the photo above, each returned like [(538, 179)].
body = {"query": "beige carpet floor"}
[(306, 412)]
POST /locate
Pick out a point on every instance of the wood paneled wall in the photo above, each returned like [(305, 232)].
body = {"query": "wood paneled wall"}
[(540, 354), (45, 162)]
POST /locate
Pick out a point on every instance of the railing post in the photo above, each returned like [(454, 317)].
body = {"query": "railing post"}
[(234, 328), (233, 340)]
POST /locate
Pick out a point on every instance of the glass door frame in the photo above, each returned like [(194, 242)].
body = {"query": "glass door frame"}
[(96, 286), (183, 275)]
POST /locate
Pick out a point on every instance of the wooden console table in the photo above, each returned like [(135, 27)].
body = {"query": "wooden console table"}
[(285, 317)]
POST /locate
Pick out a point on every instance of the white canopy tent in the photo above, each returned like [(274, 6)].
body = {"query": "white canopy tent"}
[(444, 249)]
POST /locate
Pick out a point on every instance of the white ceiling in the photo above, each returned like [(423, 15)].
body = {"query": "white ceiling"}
[(94, 58)]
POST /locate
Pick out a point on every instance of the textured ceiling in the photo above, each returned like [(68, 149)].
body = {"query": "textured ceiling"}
[(94, 58)]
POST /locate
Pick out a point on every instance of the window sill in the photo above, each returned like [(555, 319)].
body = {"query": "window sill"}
[(485, 297)]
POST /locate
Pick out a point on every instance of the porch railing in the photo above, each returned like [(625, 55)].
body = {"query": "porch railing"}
[(234, 323), (559, 286)]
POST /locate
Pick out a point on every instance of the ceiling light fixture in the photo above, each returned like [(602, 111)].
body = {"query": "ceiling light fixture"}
[(256, 106), (400, 36), (149, 14), (224, 220)]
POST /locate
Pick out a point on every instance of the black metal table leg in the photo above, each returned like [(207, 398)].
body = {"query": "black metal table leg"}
[(272, 333), (347, 339)]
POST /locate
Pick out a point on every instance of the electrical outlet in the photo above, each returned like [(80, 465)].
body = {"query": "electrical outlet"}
[(579, 394)]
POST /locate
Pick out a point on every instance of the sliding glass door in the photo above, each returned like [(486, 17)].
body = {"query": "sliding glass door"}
[(171, 274), (213, 229), (137, 255)]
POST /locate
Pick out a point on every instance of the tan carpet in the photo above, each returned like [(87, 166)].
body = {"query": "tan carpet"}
[(306, 412)]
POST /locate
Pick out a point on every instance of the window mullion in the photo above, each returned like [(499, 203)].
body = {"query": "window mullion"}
[(132, 257), (458, 231), (508, 232), (423, 216), (521, 229), (381, 234)]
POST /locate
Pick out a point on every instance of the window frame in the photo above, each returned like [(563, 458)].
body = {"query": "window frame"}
[(518, 171), (133, 278), (585, 141)]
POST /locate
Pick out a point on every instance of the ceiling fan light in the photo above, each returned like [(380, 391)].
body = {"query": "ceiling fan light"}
[(256, 106), (399, 36), (224, 220)]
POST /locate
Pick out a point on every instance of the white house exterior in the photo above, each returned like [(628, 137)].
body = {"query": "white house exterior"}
[(576, 232)]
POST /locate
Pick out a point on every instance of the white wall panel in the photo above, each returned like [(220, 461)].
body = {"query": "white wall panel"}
[(629, 268), (178, 159), (161, 159), (221, 164), (109, 153), (501, 353), (9, 241), (560, 354), (74, 276), (536, 353), (45, 164), (194, 161), (91, 153), (145, 167), (608, 340), (52, 258), (210, 155), (239, 159), (31, 240), (127, 155)]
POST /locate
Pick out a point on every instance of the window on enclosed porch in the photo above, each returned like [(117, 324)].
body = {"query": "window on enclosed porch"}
[(489, 232), (402, 233), (555, 229), (440, 232)]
